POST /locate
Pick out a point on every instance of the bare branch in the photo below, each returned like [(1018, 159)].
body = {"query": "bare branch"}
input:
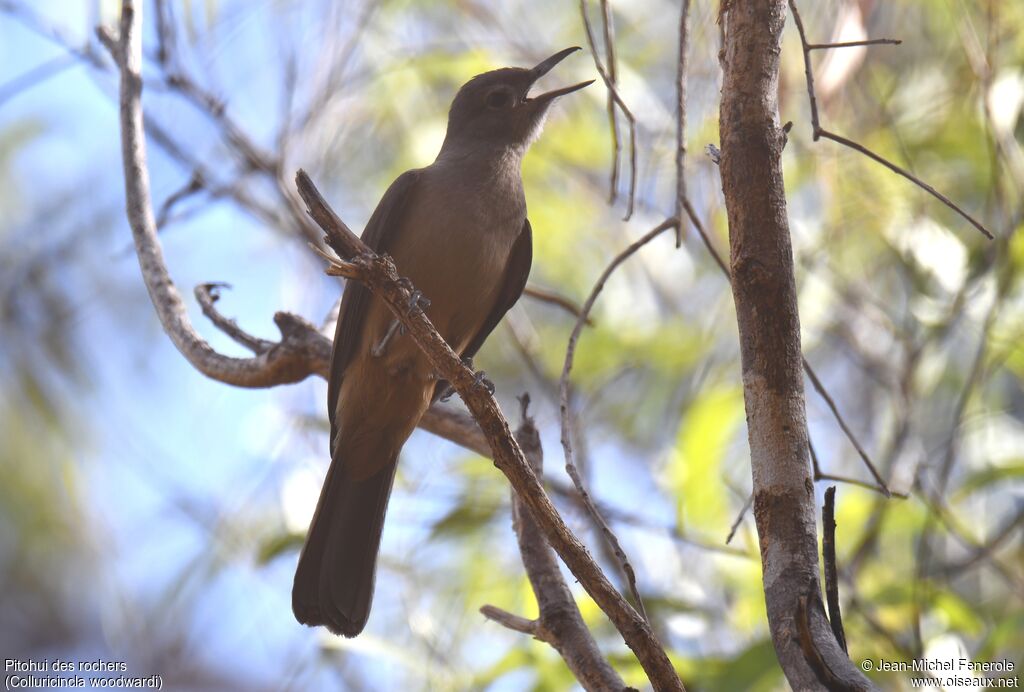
[(613, 124), (909, 176), (560, 623), (613, 92), (563, 388), (291, 360), (546, 296), (853, 44), (828, 556), (739, 518), (209, 293), (819, 132), (681, 62), (516, 623), (846, 429), (568, 492)]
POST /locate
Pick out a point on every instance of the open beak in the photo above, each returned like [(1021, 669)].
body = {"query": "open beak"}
[(545, 66)]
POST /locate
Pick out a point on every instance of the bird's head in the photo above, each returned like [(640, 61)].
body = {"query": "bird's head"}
[(494, 109)]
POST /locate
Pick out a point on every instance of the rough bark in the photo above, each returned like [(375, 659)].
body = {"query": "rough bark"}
[(764, 290)]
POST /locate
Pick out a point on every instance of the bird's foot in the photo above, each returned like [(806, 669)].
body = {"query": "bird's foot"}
[(417, 302), (480, 380)]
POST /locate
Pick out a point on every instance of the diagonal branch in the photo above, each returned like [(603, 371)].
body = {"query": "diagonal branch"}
[(560, 623), (564, 406)]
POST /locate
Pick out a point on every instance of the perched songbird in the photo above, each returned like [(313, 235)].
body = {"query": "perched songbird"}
[(458, 230)]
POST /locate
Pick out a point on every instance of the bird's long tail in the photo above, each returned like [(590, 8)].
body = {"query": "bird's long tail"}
[(334, 580)]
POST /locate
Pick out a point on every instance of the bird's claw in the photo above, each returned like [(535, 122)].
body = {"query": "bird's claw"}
[(417, 302), (480, 380), (447, 392)]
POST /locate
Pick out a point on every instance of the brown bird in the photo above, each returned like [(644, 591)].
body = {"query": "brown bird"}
[(458, 231)]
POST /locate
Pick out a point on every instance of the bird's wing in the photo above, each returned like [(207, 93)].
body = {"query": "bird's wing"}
[(516, 272), (378, 235)]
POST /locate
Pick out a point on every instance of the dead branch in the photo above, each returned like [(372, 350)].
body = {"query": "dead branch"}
[(560, 623), (828, 556), (564, 407)]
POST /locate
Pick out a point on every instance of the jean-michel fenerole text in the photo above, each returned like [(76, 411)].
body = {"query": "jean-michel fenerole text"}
[(931, 665)]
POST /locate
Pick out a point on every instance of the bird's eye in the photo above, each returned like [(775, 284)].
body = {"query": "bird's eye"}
[(499, 99)]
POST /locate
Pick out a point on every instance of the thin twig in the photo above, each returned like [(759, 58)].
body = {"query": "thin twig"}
[(818, 131), (739, 518), (862, 484), (621, 516), (209, 293), (551, 297), (846, 429), (808, 70), (514, 622), (563, 387), (852, 44), (681, 62), (613, 123), (194, 185), (984, 551), (613, 91), (909, 176)]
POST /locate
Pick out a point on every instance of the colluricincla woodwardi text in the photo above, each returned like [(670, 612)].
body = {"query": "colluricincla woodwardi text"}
[(458, 230)]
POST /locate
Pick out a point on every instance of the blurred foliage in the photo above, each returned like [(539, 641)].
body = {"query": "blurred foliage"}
[(914, 322)]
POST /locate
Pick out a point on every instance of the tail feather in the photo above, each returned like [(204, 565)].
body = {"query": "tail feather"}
[(334, 580)]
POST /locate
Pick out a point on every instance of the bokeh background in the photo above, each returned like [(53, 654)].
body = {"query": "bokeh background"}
[(153, 516)]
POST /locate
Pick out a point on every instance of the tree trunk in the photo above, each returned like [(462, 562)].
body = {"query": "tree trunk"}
[(764, 290)]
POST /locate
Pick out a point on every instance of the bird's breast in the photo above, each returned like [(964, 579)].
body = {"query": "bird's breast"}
[(455, 244)]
